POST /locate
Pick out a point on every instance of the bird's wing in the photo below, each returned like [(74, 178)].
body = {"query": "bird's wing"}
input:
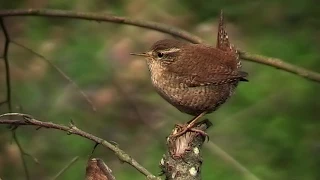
[(206, 66)]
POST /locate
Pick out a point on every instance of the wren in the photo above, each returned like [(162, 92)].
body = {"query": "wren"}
[(195, 78)]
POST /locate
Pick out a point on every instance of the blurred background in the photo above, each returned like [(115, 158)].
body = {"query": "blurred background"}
[(271, 125)]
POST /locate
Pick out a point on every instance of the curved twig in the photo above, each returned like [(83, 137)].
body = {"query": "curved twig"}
[(279, 64), (6, 63), (22, 153), (229, 159), (8, 100), (11, 119), (63, 74), (103, 17)]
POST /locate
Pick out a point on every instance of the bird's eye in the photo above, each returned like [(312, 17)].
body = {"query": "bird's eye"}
[(160, 54)]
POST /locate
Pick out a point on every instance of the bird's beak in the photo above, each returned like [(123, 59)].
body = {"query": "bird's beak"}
[(145, 54)]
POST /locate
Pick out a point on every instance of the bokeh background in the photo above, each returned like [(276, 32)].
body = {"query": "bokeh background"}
[(271, 125)]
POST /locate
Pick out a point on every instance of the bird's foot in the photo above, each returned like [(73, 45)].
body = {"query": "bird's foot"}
[(183, 128)]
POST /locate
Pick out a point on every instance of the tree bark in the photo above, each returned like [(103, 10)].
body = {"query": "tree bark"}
[(183, 159)]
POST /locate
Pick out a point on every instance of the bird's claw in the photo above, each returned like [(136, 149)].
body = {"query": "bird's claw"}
[(183, 128)]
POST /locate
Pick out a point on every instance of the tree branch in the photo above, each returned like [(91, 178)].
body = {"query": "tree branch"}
[(102, 17), (277, 63), (183, 159), (6, 63), (27, 120), (8, 100)]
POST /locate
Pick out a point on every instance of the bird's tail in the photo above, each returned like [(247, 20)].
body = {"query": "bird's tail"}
[(243, 76), (223, 42)]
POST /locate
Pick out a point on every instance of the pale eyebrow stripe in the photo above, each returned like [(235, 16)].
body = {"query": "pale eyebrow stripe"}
[(172, 50)]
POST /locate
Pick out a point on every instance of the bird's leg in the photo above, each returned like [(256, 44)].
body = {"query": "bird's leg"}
[(195, 119), (190, 126)]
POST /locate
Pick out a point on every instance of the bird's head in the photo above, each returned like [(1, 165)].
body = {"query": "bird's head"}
[(163, 52)]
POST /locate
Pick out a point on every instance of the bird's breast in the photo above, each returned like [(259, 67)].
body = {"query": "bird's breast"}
[(191, 100)]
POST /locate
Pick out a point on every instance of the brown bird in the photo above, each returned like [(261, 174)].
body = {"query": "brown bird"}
[(195, 78)]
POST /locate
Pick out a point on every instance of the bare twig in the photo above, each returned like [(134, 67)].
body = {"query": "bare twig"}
[(22, 153), (227, 158), (158, 27), (102, 17), (6, 63), (72, 129), (249, 111), (64, 75), (75, 159), (8, 98), (279, 64)]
